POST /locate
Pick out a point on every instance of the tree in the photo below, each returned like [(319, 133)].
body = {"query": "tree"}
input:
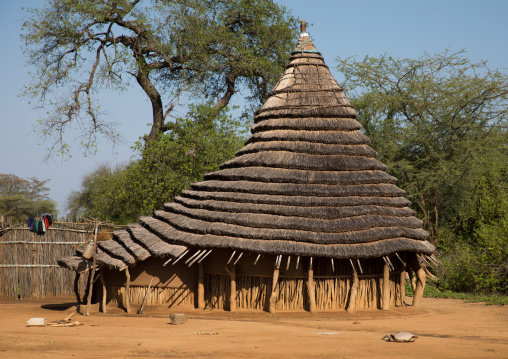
[(212, 47), (440, 124), (21, 198), (435, 121), (198, 143)]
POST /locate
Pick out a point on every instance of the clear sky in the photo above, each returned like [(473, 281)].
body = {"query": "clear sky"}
[(401, 28)]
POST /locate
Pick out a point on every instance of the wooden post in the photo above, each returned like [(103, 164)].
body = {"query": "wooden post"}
[(92, 275), (104, 294), (232, 286), (127, 290), (421, 278), (76, 288), (354, 292), (311, 289), (201, 287), (386, 287), (402, 284), (273, 293)]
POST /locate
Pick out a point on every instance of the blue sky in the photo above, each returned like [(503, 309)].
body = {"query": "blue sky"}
[(339, 28)]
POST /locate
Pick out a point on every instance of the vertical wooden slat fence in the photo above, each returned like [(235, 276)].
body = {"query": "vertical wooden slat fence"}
[(28, 262)]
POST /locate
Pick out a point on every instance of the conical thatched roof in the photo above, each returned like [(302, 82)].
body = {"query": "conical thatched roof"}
[(306, 182)]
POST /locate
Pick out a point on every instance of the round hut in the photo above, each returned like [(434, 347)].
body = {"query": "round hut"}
[(303, 218)]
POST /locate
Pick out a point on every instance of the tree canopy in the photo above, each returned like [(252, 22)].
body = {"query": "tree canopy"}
[(198, 143), (21, 198), (213, 48), (440, 123)]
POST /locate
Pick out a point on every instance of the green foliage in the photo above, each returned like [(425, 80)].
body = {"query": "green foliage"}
[(21, 198), (199, 142), (434, 291), (440, 124), (172, 49)]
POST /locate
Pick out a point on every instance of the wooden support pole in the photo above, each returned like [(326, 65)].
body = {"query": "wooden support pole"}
[(273, 293), (386, 287), (76, 287), (201, 286), (354, 291), (232, 287), (311, 289), (104, 293), (127, 290), (421, 278), (91, 279), (402, 281)]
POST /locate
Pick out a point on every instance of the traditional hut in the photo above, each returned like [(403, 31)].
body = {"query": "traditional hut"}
[(304, 217)]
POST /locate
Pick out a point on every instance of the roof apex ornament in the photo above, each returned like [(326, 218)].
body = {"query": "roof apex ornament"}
[(303, 29)]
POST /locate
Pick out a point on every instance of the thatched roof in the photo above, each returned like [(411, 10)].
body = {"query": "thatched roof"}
[(126, 248), (306, 182)]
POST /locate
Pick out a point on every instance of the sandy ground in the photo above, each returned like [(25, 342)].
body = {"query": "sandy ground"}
[(445, 329)]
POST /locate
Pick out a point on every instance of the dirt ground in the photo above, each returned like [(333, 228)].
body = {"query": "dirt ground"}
[(445, 328)]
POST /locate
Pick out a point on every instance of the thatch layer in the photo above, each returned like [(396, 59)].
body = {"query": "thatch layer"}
[(198, 226), (115, 249), (282, 175), (297, 199), (328, 213), (307, 124), (303, 161), (284, 189), (75, 263), (155, 245), (321, 137), (125, 239), (309, 147), (287, 247)]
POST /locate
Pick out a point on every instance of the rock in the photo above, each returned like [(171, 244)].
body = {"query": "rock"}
[(178, 318)]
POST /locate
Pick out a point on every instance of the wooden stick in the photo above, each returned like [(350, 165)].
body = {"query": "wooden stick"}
[(354, 290), (76, 289), (104, 292), (201, 286), (333, 265), (94, 265), (197, 258), (127, 290), (257, 258), (167, 262), (273, 294), (402, 285), (359, 266), (237, 259), (386, 286), (230, 258), (140, 311), (232, 286), (289, 260), (297, 261), (192, 256), (311, 291), (420, 277), (206, 255), (180, 257)]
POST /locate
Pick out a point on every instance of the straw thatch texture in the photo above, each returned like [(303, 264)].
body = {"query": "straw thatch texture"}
[(306, 183), (125, 248)]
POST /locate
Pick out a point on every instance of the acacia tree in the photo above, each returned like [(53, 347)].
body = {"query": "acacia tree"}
[(212, 47), (436, 121), (21, 198)]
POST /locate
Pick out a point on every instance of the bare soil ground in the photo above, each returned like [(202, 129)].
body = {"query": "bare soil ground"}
[(445, 328)]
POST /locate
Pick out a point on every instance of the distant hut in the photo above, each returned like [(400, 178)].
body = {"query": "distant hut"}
[(304, 217)]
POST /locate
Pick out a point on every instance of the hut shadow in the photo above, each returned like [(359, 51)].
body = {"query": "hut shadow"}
[(61, 307)]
